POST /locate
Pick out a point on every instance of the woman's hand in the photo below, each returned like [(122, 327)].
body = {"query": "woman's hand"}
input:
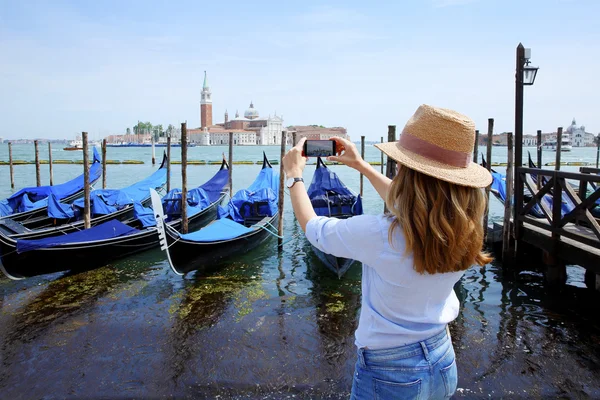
[(347, 153), (294, 162)]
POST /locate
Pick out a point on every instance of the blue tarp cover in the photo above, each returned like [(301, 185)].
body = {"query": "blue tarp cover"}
[(35, 197), (106, 230), (329, 196), (108, 201), (143, 214), (265, 188), (215, 185), (58, 210), (221, 229), (499, 185), (198, 199)]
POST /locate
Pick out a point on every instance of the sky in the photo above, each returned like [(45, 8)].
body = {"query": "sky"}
[(100, 66)]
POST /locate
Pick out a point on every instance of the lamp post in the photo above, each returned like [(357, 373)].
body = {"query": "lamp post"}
[(525, 76)]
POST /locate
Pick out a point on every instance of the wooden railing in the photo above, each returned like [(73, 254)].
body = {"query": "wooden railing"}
[(589, 170), (557, 185)]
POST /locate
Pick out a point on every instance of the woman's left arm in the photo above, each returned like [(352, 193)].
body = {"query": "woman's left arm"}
[(356, 238), (293, 166)]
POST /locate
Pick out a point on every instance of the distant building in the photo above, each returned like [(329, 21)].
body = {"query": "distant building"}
[(247, 130), (579, 137), (530, 140), (312, 132), (1, 140)]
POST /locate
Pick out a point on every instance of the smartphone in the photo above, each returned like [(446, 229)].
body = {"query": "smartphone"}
[(319, 148)]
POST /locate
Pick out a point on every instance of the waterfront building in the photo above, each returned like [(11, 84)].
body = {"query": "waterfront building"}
[(248, 130), (579, 137), (315, 132)]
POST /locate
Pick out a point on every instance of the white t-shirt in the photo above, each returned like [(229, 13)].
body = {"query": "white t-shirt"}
[(399, 306)]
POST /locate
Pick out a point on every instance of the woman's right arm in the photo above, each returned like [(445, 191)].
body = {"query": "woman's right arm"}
[(350, 157), (380, 182)]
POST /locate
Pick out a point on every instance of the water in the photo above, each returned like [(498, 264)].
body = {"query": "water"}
[(269, 324)]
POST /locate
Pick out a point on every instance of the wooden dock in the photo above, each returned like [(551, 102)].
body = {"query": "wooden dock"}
[(567, 233)]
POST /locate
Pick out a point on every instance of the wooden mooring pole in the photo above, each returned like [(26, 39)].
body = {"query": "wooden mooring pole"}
[(539, 157), (556, 269), (184, 218), (362, 154), (103, 163), (382, 157), (507, 248), (490, 133), (86, 182), (38, 178), (597, 149), (558, 149), (10, 163), (50, 162), (476, 147), (230, 163), (390, 168), (153, 153), (294, 139), (539, 148), (281, 192), (168, 163)]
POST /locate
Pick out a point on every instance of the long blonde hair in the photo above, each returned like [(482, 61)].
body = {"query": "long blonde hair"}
[(442, 222)]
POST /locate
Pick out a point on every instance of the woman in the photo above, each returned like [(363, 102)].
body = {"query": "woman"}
[(412, 256)]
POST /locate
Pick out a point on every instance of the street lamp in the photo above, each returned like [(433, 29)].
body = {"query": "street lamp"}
[(529, 74), (524, 76)]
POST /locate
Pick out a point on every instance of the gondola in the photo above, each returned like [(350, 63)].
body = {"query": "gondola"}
[(331, 198), (243, 224), (109, 241), (31, 202), (105, 205)]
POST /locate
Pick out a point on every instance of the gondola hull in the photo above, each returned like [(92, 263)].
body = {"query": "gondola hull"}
[(85, 256), (47, 229), (337, 265), (187, 256), (72, 257), (67, 225), (331, 198)]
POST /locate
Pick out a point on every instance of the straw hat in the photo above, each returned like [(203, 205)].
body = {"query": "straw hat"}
[(439, 142)]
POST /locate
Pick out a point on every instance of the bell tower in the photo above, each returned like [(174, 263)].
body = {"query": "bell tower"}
[(205, 105)]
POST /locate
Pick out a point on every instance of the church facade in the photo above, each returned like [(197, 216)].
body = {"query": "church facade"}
[(248, 130), (579, 137)]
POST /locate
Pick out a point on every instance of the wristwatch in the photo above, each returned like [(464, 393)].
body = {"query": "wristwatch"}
[(289, 182)]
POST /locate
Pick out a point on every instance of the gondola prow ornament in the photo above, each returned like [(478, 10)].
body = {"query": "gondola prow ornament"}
[(159, 216)]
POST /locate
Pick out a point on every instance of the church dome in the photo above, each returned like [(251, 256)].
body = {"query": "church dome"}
[(251, 112)]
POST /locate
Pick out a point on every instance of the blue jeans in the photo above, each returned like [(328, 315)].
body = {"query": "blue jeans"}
[(423, 370)]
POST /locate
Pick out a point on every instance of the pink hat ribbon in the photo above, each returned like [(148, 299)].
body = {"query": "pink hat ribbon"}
[(434, 152)]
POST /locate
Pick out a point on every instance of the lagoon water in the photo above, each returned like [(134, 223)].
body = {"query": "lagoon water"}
[(269, 324)]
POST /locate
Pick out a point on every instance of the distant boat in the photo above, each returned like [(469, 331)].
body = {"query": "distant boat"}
[(76, 144), (551, 145)]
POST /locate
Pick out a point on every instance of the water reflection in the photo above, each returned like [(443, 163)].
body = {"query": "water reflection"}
[(62, 307), (273, 324), (337, 303)]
